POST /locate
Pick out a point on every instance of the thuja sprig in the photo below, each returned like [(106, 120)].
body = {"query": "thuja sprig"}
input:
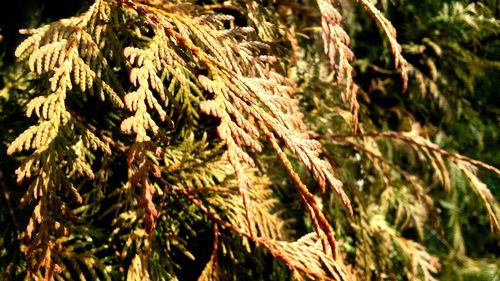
[(66, 55)]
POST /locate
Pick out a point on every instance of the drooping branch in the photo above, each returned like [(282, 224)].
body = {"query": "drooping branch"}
[(412, 140), (390, 32)]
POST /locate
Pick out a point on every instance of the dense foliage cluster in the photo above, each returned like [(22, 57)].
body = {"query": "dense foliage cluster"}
[(252, 140)]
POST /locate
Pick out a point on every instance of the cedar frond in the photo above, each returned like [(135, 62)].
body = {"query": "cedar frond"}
[(385, 243), (484, 193), (77, 253), (71, 47), (211, 270), (60, 142), (145, 77), (264, 209), (336, 46), (412, 137), (210, 175), (305, 257), (141, 166), (420, 261), (428, 85), (261, 16), (410, 211), (390, 32), (193, 164)]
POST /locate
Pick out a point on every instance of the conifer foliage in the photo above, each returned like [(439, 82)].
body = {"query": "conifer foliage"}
[(168, 136)]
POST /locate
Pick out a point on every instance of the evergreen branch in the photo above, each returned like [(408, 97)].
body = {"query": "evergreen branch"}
[(412, 139), (264, 209), (336, 46), (411, 178), (390, 32), (61, 145), (420, 260), (320, 222), (466, 164), (484, 193)]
